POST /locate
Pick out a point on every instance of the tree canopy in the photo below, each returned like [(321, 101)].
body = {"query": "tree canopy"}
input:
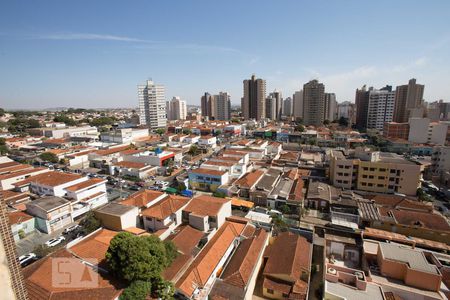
[(102, 121), (137, 290), (343, 121), (65, 119), (134, 258), (90, 223), (49, 156)]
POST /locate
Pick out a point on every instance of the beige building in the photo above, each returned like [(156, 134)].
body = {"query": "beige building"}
[(408, 99), (375, 172), (254, 100), (313, 103), (423, 131)]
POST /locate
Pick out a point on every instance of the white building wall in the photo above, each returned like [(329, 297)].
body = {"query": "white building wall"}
[(418, 130)]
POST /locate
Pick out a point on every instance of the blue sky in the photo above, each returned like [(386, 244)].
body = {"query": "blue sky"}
[(94, 53)]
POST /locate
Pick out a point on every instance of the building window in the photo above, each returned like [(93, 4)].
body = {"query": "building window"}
[(380, 177), (380, 185), (372, 169), (269, 291), (364, 176), (363, 184), (370, 184), (383, 170), (285, 295), (365, 168)]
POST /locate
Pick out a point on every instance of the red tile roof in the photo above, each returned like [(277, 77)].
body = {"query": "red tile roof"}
[(205, 205), (242, 265), (204, 264), (166, 207), (142, 198), (296, 259), (208, 172), (50, 179), (94, 246), (249, 179), (18, 217), (85, 184), (39, 282)]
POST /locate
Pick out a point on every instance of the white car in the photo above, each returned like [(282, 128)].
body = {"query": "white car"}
[(26, 259), (55, 241)]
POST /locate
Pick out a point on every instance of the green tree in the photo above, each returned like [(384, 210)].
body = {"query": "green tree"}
[(181, 187), (41, 250), (2, 112), (193, 150), (160, 131), (3, 148), (171, 250), (137, 290), (300, 128), (343, 122), (285, 209), (90, 223), (65, 119), (187, 131), (219, 194), (162, 289), (326, 122), (133, 257), (48, 156), (102, 121)]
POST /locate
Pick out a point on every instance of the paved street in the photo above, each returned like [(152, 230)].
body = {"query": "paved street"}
[(29, 243)]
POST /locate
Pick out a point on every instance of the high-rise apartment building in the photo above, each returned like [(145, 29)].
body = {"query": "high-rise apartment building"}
[(176, 109), (408, 99), (330, 106), (287, 107), (380, 108), (313, 103), (253, 103), (12, 283), (216, 107), (347, 110), (208, 106), (223, 106), (152, 105), (362, 107), (271, 108), (276, 95), (298, 104)]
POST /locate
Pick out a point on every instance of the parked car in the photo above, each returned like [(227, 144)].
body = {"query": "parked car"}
[(27, 259), (71, 228), (135, 188), (55, 241), (154, 188)]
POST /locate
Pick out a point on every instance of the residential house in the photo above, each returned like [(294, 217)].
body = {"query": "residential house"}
[(286, 276), (206, 213), (206, 179), (165, 215), (51, 213), (116, 216)]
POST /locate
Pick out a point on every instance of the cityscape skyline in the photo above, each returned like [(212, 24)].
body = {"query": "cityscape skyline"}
[(105, 60)]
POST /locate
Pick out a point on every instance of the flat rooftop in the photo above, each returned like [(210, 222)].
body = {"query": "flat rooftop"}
[(372, 292), (115, 209), (414, 258)]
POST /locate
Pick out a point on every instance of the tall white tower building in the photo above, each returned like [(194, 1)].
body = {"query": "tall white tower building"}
[(152, 105)]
